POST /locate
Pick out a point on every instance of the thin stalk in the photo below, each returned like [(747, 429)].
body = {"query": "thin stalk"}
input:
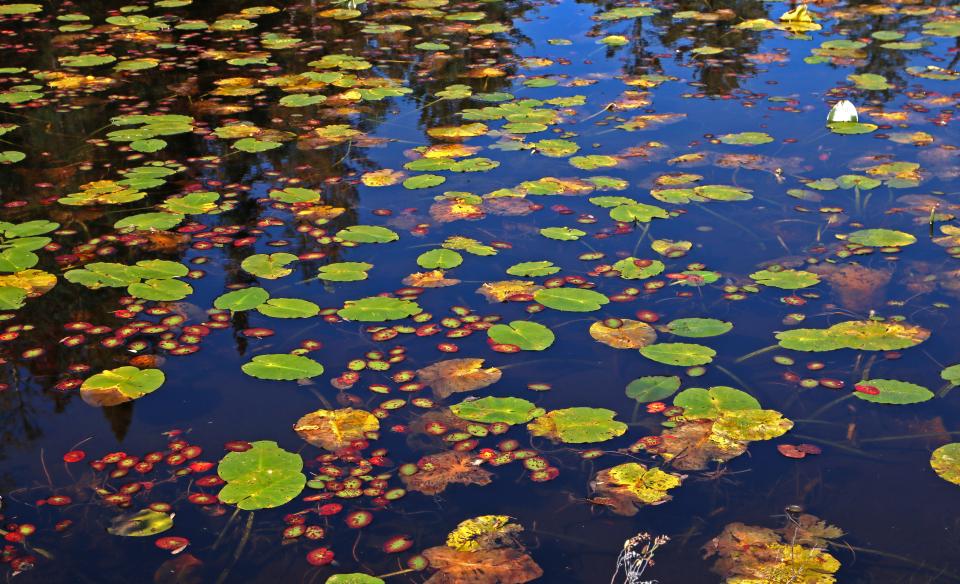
[(829, 405), (239, 551), (756, 353), (838, 446)]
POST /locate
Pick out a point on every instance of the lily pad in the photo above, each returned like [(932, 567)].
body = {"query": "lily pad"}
[(245, 299), (685, 354), (653, 388), (117, 386), (786, 279), (490, 410), (578, 425), (282, 367), (269, 266), (263, 477), (699, 327), (570, 299), (881, 238), (367, 234), (946, 462), (894, 392), (529, 336), (378, 308)]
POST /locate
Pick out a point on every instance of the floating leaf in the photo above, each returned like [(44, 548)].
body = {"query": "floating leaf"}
[(627, 487), (437, 471), (439, 258), (708, 404), (653, 388), (269, 266), (160, 290), (881, 238), (263, 477), (699, 327), (623, 334), (288, 308), (458, 375), (578, 425), (867, 335), (244, 299), (116, 386), (336, 429), (894, 392), (685, 354), (367, 234), (746, 138), (570, 299), (529, 336), (344, 271), (378, 308), (489, 410), (946, 462), (282, 367), (532, 269), (562, 233), (143, 523), (786, 279)]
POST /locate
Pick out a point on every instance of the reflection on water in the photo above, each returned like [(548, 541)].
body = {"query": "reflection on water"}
[(473, 127)]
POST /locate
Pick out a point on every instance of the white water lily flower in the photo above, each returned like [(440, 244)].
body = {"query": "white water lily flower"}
[(844, 111)]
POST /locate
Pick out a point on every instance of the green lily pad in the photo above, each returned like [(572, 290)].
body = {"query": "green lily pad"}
[(533, 269), (685, 354), (254, 146), (357, 578), (378, 308), (634, 269), (288, 308), (570, 299), (866, 335), (881, 238), (164, 290), (245, 299), (578, 425), (747, 138), (707, 404), (894, 392), (439, 258), (529, 336), (282, 367), (423, 181), (490, 410), (123, 384), (269, 266), (870, 81), (11, 298), (263, 477), (653, 388), (786, 279), (344, 271), (638, 212), (699, 327), (562, 233), (851, 127), (367, 234), (146, 221)]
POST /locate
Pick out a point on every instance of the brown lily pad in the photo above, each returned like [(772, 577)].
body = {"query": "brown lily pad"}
[(436, 471), (458, 375)]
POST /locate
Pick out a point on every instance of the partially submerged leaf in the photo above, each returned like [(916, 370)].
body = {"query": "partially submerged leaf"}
[(458, 375), (123, 384), (336, 429)]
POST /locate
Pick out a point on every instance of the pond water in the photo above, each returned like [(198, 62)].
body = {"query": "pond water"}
[(291, 290)]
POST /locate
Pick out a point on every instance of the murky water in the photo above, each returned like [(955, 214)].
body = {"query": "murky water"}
[(660, 162)]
